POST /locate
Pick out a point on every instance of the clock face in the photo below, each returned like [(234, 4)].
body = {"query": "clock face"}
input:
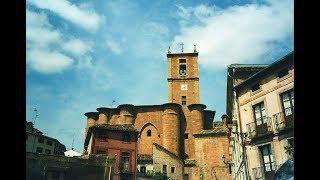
[(184, 87)]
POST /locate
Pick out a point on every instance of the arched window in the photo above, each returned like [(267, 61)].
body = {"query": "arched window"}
[(149, 132)]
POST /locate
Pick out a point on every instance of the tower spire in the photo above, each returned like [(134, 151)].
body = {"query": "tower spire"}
[(181, 46)]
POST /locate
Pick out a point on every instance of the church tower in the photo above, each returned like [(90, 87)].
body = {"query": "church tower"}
[(183, 78)]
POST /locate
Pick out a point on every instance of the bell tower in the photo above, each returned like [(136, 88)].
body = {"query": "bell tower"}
[(183, 78)]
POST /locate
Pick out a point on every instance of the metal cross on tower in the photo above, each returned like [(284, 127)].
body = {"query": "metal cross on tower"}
[(181, 46)]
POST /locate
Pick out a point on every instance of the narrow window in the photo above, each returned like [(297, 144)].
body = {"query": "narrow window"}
[(164, 169), (183, 100), (283, 73), (288, 102), (182, 68), (125, 157), (172, 169), (267, 157), (230, 168), (149, 132), (186, 135), (40, 140), (255, 87), (259, 113), (39, 150)]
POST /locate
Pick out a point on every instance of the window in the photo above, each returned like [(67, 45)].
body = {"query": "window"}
[(47, 151), (186, 135), (101, 152), (39, 150), (172, 169), (126, 137), (182, 60), (267, 157), (288, 102), (125, 157), (40, 140), (49, 142), (230, 168), (183, 100), (259, 113), (149, 132), (182, 68), (164, 169), (255, 87), (283, 73)]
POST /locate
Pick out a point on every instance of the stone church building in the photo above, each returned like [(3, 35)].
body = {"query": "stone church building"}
[(178, 138)]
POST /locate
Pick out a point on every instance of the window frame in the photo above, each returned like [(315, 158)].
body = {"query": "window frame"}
[(272, 164), (182, 64), (149, 133), (183, 100), (122, 167), (290, 101), (172, 169), (263, 121), (164, 169)]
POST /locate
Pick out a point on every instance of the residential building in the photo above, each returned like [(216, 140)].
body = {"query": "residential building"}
[(37, 142), (266, 115), (179, 138), (118, 142), (236, 74)]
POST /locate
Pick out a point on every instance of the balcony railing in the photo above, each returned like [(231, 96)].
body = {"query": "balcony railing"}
[(282, 120), (255, 130), (261, 174)]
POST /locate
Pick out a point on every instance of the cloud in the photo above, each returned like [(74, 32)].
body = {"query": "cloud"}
[(76, 47), (237, 34), (114, 46), (48, 61), (86, 19), (155, 29)]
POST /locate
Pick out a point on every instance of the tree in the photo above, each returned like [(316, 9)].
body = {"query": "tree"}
[(289, 149)]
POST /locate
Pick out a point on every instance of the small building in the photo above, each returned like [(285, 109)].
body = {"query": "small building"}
[(266, 117), (37, 142), (118, 142), (72, 153), (59, 167)]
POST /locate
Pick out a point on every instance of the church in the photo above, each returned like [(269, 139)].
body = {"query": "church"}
[(179, 138)]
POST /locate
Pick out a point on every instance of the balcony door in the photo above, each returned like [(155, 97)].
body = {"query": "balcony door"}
[(287, 99), (260, 118), (268, 161)]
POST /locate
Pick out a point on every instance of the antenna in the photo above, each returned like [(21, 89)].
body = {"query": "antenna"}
[(72, 141), (181, 46)]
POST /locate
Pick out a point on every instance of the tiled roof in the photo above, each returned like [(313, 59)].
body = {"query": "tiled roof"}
[(189, 162), (144, 157), (216, 131), (118, 127)]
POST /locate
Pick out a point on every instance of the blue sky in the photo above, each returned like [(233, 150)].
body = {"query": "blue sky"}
[(82, 55)]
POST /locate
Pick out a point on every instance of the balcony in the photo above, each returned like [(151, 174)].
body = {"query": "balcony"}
[(260, 173), (255, 130), (283, 120)]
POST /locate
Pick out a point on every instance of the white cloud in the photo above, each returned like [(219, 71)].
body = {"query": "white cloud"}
[(48, 62), (114, 46), (84, 18), (237, 34), (155, 29), (76, 47)]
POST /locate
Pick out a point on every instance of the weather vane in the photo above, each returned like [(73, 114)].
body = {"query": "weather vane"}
[(181, 46)]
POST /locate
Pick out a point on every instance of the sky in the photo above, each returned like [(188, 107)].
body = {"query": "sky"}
[(82, 55)]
